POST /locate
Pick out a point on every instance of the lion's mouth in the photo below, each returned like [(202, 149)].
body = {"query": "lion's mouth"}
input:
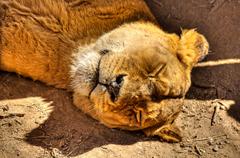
[(96, 77)]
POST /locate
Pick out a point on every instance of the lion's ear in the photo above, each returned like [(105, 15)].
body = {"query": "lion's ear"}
[(193, 47)]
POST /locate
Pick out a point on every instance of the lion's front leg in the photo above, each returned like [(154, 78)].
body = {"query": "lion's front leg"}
[(168, 132), (166, 113)]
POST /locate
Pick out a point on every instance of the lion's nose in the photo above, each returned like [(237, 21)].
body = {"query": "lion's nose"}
[(114, 87), (113, 90)]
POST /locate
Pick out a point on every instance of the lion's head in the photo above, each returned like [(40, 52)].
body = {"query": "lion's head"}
[(135, 76)]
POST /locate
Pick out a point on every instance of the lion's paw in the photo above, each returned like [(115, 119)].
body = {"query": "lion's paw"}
[(169, 133)]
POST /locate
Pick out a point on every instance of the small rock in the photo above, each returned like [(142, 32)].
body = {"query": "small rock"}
[(201, 150), (5, 108), (198, 151), (221, 147), (55, 153), (215, 148), (226, 142), (182, 145), (221, 143), (9, 124), (210, 141), (18, 153), (223, 108), (19, 122)]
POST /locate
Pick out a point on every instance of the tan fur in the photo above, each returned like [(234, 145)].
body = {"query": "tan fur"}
[(38, 37), (123, 70)]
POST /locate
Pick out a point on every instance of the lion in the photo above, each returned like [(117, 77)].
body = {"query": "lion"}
[(122, 68)]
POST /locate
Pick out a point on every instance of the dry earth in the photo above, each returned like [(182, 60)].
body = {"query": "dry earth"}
[(40, 121)]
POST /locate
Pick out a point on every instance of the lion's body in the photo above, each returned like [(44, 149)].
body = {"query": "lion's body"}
[(39, 36), (122, 68)]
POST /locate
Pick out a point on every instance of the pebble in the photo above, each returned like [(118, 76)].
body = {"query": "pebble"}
[(221, 147), (221, 143), (210, 141), (226, 142), (5, 108), (215, 148), (223, 108)]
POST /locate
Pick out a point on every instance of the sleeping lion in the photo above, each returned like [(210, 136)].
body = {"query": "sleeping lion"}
[(122, 69)]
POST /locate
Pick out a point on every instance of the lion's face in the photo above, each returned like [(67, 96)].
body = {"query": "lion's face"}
[(128, 90), (132, 89), (131, 84)]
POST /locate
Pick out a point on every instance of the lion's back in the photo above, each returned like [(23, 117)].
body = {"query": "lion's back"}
[(38, 37)]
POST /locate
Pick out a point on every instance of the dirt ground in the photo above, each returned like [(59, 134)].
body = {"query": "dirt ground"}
[(40, 121)]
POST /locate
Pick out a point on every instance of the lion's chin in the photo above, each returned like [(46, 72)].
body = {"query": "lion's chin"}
[(129, 127), (123, 127), (116, 120), (157, 114)]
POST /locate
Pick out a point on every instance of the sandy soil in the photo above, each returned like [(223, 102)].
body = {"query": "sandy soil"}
[(40, 121)]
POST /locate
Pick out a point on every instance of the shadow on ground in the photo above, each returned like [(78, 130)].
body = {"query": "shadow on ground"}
[(72, 132), (67, 128), (234, 111), (204, 86)]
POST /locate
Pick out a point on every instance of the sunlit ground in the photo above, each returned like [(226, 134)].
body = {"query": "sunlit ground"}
[(202, 120)]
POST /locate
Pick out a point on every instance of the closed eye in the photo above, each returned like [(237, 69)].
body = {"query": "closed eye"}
[(160, 68)]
